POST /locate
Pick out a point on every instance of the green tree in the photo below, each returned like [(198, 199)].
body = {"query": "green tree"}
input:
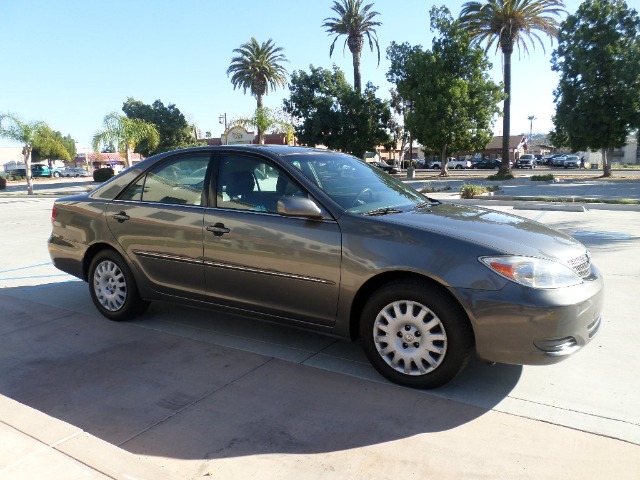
[(173, 128), (598, 95), (511, 23), (558, 136), (31, 135), (453, 100), (329, 112), (399, 134), (125, 133), (268, 121), (258, 67), (108, 148), (42, 153), (354, 21)]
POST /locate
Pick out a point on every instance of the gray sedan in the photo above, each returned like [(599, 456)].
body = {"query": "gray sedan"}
[(321, 240)]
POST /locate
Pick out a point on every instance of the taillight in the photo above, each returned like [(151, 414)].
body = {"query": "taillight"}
[(54, 213)]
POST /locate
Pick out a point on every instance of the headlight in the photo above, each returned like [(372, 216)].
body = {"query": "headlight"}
[(533, 272)]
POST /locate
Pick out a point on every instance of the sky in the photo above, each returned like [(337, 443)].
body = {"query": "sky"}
[(71, 62)]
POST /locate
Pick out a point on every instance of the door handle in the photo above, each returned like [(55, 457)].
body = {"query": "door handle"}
[(218, 229), (120, 217)]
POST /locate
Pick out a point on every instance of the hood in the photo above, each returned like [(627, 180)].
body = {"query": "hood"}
[(500, 232)]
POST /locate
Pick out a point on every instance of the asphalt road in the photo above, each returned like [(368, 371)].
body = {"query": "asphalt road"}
[(208, 395)]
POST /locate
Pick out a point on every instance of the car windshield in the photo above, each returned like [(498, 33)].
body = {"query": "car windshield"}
[(355, 185)]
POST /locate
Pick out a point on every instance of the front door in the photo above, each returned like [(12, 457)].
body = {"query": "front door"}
[(257, 259)]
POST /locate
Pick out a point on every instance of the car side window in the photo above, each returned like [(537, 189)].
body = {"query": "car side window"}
[(248, 183), (178, 181)]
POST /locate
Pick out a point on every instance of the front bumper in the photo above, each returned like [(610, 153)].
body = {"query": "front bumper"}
[(525, 326)]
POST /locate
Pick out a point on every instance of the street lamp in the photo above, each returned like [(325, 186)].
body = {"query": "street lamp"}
[(223, 119), (409, 104)]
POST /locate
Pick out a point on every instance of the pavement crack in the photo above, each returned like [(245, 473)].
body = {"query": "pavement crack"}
[(575, 411)]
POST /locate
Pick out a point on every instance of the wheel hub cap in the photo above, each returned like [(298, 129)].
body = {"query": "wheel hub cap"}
[(410, 338), (110, 286)]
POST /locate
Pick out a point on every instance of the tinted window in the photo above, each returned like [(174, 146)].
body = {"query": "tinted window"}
[(248, 183), (178, 181), (354, 185)]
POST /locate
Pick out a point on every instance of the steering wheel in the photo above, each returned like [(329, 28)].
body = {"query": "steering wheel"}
[(364, 196)]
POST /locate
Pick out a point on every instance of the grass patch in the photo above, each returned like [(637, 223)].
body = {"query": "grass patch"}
[(500, 176), (435, 189), (470, 190), (609, 201), (542, 178)]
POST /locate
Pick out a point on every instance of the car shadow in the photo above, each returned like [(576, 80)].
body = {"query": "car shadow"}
[(194, 384)]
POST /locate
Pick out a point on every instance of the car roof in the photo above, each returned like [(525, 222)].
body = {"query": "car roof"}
[(279, 150)]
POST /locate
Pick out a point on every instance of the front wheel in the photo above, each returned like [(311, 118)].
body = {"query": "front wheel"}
[(113, 288), (415, 336)]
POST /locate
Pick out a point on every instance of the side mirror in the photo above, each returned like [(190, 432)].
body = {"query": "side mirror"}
[(299, 207)]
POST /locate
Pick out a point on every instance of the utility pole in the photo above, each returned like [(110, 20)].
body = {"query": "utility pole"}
[(531, 119)]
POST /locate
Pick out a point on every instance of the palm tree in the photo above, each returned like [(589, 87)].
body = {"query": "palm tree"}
[(356, 22), (125, 133), (30, 135), (257, 67), (510, 23)]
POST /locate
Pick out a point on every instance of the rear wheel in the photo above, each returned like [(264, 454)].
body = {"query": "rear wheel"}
[(415, 337), (113, 288)]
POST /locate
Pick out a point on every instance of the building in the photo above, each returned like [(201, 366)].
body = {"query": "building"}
[(105, 160), (11, 158), (241, 136)]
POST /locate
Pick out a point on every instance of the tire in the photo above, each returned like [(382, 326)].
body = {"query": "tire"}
[(113, 288), (415, 336), (56, 174)]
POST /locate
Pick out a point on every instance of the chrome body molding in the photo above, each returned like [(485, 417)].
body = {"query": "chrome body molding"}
[(177, 258)]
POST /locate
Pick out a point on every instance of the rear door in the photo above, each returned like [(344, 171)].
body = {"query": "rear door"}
[(158, 221)]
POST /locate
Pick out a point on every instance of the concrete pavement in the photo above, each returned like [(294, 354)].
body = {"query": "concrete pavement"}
[(191, 396)]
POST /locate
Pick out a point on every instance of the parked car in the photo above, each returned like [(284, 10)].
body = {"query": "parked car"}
[(16, 172), (434, 165), (74, 172), (556, 160), (322, 240), (486, 164), (458, 164), (39, 170), (571, 161), (526, 161), (386, 167)]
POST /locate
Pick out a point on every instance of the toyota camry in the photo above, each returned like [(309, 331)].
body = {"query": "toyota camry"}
[(321, 240)]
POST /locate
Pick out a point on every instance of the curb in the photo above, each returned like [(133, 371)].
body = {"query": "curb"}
[(37, 439)]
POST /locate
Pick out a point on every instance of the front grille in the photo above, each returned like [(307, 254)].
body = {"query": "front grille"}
[(581, 265)]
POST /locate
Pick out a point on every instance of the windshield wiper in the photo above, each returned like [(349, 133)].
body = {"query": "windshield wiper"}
[(382, 211), (429, 203)]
